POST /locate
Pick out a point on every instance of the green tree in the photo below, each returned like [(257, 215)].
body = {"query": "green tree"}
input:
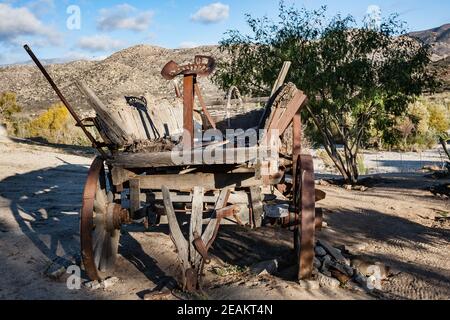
[(352, 75)]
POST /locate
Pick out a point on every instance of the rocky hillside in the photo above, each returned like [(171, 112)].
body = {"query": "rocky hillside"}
[(133, 71), (438, 38)]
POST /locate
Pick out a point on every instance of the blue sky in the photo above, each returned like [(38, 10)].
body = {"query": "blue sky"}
[(107, 26)]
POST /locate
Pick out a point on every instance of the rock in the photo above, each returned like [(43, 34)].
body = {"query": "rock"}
[(55, 271), (328, 282), (309, 284), (93, 285), (326, 261), (374, 282), (326, 273), (354, 286), (347, 270), (360, 279), (342, 277), (276, 210), (320, 251), (317, 263), (111, 281), (270, 266), (348, 187), (367, 268), (335, 253)]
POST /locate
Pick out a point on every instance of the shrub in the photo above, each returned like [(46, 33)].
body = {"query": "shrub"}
[(51, 123), (8, 107), (439, 118), (54, 125)]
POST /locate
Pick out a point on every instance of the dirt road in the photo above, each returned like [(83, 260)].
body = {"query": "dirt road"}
[(40, 197)]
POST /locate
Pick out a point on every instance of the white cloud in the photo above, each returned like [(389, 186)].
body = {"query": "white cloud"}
[(187, 45), (19, 24), (126, 17), (100, 43), (213, 13), (41, 7), (374, 16)]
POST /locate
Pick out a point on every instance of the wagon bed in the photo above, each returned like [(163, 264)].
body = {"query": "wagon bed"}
[(155, 167)]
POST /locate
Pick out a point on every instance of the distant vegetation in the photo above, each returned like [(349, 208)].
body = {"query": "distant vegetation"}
[(360, 80), (53, 126), (8, 107)]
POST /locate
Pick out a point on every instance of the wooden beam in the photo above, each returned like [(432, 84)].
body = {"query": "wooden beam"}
[(112, 123), (175, 231), (281, 77), (257, 206), (208, 181), (180, 158), (210, 231), (223, 102), (203, 105), (195, 227), (283, 122), (135, 201), (188, 111)]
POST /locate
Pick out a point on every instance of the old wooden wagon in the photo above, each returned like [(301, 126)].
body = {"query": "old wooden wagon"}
[(245, 166)]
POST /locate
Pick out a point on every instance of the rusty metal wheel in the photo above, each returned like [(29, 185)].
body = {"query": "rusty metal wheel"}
[(304, 204), (100, 224)]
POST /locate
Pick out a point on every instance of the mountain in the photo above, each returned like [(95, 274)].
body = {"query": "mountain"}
[(438, 38), (132, 71)]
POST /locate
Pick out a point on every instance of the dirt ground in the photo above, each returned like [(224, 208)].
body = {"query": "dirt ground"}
[(40, 197)]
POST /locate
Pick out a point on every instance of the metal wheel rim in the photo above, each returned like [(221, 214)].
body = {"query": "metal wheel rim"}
[(98, 245)]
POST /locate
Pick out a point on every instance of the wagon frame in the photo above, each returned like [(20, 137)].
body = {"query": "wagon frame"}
[(124, 187)]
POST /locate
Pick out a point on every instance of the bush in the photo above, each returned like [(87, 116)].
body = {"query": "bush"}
[(439, 118), (51, 123), (54, 126), (8, 107)]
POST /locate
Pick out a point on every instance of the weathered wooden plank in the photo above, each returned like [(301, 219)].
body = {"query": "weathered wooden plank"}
[(223, 102), (236, 197), (209, 181), (291, 109), (195, 227), (208, 234), (191, 157), (188, 111), (135, 201), (257, 206), (114, 126), (203, 105), (120, 175), (281, 77), (177, 236)]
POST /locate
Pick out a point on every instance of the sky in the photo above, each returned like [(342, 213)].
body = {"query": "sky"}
[(88, 29)]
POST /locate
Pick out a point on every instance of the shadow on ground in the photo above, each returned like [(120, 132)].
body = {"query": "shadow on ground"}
[(45, 205)]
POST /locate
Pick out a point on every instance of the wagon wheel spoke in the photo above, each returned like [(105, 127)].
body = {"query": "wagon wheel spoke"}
[(99, 241), (304, 203)]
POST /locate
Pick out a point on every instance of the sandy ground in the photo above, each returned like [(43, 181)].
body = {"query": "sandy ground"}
[(40, 197)]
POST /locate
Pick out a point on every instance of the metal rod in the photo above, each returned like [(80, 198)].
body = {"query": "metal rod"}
[(64, 101)]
